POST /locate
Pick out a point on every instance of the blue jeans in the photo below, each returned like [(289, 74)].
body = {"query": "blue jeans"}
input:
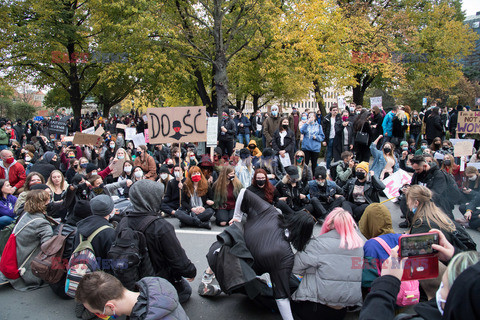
[(258, 133), (242, 136), (329, 154), (5, 221), (3, 147)]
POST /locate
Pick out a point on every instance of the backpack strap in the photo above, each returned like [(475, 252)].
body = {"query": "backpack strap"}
[(384, 245), (90, 238), (146, 222), (26, 224)]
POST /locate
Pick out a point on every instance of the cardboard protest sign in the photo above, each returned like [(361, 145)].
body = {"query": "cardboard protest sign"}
[(147, 139), (375, 101), (121, 126), (117, 168), (68, 139), (130, 133), (99, 131), (212, 131), (178, 124), (239, 146), (86, 139), (394, 182), (57, 127), (468, 122), (139, 140), (90, 130), (463, 148)]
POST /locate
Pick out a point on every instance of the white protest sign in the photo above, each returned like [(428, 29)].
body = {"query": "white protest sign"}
[(455, 141), (463, 148), (90, 130), (130, 133), (375, 101), (212, 131), (285, 160), (474, 164), (394, 182), (139, 140)]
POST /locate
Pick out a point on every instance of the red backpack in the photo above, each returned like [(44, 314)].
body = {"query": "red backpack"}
[(409, 293), (8, 262)]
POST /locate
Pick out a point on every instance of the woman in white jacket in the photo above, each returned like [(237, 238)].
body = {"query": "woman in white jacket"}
[(331, 267)]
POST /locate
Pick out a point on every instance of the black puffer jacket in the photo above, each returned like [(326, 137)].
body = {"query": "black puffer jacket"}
[(371, 191)]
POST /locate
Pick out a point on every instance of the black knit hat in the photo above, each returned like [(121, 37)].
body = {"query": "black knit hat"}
[(90, 168), (320, 172)]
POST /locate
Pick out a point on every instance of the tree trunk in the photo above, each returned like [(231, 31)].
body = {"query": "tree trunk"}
[(363, 82), (220, 76), (255, 98), (201, 90), (358, 94), (319, 97), (106, 109)]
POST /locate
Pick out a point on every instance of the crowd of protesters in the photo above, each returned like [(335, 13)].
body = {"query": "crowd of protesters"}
[(275, 185)]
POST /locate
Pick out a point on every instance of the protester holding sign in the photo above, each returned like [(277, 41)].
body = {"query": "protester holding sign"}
[(147, 163)]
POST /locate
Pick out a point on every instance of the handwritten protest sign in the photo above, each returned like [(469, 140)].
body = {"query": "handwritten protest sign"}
[(121, 126), (212, 131), (468, 122), (463, 148), (130, 133), (99, 131), (139, 140), (57, 127), (394, 182), (375, 101), (179, 124), (86, 139), (117, 168), (90, 130)]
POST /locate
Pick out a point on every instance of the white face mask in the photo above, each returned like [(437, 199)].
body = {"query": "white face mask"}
[(439, 299), (138, 174), (164, 176), (112, 145), (470, 178), (177, 174), (127, 169), (28, 159), (121, 157)]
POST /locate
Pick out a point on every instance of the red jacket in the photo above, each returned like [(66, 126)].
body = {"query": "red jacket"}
[(16, 175)]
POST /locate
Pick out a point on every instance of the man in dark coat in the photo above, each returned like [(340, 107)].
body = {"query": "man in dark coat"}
[(44, 166)]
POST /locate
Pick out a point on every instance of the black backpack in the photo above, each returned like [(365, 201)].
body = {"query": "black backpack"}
[(462, 240), (130, 260)]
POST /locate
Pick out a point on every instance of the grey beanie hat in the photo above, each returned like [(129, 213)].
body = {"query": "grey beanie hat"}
[(101, 205)]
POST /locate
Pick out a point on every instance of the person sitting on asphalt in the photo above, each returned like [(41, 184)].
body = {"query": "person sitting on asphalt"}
[(104, 295), (171, 201), (361, 191), (226, 190), (196, 209)]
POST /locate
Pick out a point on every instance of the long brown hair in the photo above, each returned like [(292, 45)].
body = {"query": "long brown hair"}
[(427, 210), (471, 170), (452, 166), (202, 187), (220, 186), (26, 185), (269, 188)]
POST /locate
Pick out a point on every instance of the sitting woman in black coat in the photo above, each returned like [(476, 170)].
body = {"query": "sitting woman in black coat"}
[(196, 201), (262, 187)]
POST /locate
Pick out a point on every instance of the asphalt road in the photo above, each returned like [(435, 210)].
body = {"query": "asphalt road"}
[(43, 304)]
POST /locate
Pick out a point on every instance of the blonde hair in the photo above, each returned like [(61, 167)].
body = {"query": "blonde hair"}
[(63, 184), (427, 210)]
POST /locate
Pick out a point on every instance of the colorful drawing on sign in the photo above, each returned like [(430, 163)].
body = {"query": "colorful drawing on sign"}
[(394, 182), (178, 124), (176, 127)]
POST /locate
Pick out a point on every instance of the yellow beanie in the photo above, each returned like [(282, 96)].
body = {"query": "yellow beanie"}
[(363, 165)]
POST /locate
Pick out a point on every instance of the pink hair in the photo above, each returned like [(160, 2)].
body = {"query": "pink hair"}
[(343, 223)]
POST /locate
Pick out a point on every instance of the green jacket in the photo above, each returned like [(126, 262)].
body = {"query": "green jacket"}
[(4, 137)]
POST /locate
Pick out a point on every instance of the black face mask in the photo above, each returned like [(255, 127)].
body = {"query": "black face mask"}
[(445, 148), (360, 175), (387, 150), (447, 162), (251, 146), (231, 178), (261, 183), (285, 126), (170, 166)]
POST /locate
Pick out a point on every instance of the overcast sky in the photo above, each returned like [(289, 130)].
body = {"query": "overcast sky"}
[(471, 6)]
